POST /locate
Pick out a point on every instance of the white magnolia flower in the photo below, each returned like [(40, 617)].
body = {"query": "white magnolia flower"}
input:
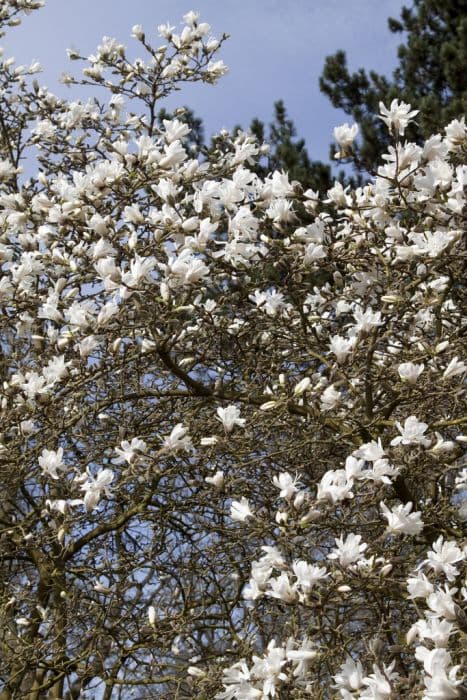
[(454, 368), (287, 485), (441, 445), (350, 675), (230, 417), (56, 369), (345, 135), (412, 433), (434, 661), (378, 683), (441, 602), (175, 129), (398, 116), (209, 441), (23, 621), (217, 480), (443, 685), (308, 575), (302, 386), (341, 347), (366, 320), (456, 133), (62, 505), (269, 669), (240, 510), (442, 557), (439, 631), (252, 590), (401, 521), (302, 657), (348, 551), (272, 557), (128, 451), (419, 586), (334, 486), (50, 461), (178, 440), (370, 451), (94, 486), (380, 472), (137, 31), (186, 269), (270, 301), (281, 588), (330, 398), (195, 671), (410, 372), (236, 681)]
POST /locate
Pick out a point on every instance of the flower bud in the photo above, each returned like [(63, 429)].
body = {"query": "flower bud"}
[(152, 615)]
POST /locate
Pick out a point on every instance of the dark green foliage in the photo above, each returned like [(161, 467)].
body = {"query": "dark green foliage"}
[(288, 153), (431, 76)]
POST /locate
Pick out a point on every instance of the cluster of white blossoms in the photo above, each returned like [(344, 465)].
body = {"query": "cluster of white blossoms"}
[(303, 585), (235, 402)]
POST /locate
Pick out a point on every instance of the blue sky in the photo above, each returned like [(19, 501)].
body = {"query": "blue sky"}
[(276, 51)]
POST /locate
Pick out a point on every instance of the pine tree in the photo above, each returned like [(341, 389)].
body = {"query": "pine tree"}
[(289, 153), (430, 76)]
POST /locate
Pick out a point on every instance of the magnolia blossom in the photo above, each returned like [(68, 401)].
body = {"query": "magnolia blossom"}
[(398, 116), (287, 485), (282, 588), (439, 631), (302, 386), (128, 451), (341, 347), (365, 320), (401, 521), (454, 368), (230, 417), (441, 602), (240, 510), (412, 433), (330, 398), (434, 661), (410, 372), (443, 684), (178, 440), (152, 615), (186, 269), (378, 683), (350, 675), (217, 480), (270, 301), (370, 451), (419, 586), (381, 471), (93, 487), (308, 575), (50, 461), (349, 550), (345, 135), (302, 657), (442, 557), (335, 486)]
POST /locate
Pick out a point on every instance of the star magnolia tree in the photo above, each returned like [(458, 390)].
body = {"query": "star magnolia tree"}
[(231, 409)]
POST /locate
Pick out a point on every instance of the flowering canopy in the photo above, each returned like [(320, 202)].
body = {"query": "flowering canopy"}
[(231, 409)]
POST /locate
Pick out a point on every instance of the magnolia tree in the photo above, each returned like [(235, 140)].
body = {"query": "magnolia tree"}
[(232, 410)]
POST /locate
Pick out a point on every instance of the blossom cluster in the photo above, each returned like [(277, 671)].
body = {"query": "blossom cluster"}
[(232, 428)]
